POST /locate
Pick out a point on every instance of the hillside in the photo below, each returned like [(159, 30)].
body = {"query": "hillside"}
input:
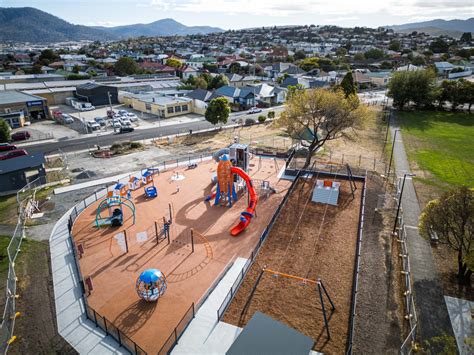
[(433, 31), (164, 27), (27, 24), (448, 25)]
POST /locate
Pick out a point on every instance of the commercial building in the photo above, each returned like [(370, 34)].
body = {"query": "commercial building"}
[(16, 173), (164, 106), (97, 94), (17, 107)]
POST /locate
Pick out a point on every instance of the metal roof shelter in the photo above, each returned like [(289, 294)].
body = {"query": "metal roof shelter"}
[(13, 97), (264, 335)]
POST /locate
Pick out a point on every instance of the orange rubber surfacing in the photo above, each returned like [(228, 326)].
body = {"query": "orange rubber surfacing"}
[(189, 275)]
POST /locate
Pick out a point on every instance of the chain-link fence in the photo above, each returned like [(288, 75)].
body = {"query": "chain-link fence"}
[(26, 204)]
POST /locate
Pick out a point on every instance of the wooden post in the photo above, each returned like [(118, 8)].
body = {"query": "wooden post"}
[(156, 232), (125, 237), (192, 240), (171, 216)]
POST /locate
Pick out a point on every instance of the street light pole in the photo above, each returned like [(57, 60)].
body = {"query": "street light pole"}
[(389, 118), (400, 201), (391, 154)]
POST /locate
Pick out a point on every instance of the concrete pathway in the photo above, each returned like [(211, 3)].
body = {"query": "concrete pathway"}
[(73, 324), (429, 301), (205, 335)]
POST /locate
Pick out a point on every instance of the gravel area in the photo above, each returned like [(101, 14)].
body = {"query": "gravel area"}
[(316, 241)]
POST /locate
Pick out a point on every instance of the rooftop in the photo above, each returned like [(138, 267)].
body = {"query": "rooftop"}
[(12, 97), (21, 163)]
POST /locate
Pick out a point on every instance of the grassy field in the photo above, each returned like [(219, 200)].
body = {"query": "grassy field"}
[(440, 147)]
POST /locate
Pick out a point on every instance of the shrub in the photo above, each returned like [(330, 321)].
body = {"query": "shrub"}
[(249, 122), (271, 114), (261, 119), (4, 131)]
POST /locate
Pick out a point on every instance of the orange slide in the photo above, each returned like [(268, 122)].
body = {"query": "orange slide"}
[(247, 215)]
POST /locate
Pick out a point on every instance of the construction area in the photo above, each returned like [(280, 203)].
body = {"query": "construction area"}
[(303, 275)]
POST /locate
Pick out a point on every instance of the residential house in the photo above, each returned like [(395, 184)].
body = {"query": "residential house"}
[(200, 99), (361, 79), (198, 63), (279, 69), (237, 80), (267, 95), (444, 68), (164, 106), (379, 79), (185, 71), (16, 173), (159, 68), (239, 98)]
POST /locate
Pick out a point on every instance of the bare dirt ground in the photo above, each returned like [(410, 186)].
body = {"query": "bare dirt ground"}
[(262, 135), (446, 264), (36, 327), (318, 241), (379, 323), (189, 275)]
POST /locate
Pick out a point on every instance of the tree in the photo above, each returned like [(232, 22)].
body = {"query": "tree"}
[(47, 57), (348, 85), (359, 56), (217, 82), (217, 111), (318, 115), (300, 54), (200, 83), (451, 217), (175, 63), (374, 53), (418, 60), (4, 131), (466, 37), (126, 66), (467, 93), (308, 64), (418, 87), (341, 52), (394, 45), (439, 46), (76, 69)]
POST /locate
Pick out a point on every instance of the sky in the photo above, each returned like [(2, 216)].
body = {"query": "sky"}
[(235, 14)]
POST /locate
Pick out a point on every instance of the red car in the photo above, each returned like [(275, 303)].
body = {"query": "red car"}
[(5, 147), (21, 136), (14, 154)]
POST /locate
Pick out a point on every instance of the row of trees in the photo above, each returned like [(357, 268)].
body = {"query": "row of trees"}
[(204, 81), (422, 89)]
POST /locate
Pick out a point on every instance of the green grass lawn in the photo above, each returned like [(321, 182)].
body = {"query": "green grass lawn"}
[(4, 241), (442, 144)]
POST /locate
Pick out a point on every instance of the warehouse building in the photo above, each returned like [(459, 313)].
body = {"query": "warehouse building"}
[(16, 173), (97, 94), (17, 107), (164, 106)]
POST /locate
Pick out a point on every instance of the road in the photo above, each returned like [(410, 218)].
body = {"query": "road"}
[(76, 144)]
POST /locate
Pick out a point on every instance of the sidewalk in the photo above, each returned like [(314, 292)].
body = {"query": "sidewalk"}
[(73, 324), (429, 300)]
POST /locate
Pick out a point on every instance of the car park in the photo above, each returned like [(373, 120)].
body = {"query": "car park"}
[(20, 136), (5, 147), (100, 121), (126, 129), (254, 110), (13, 154)]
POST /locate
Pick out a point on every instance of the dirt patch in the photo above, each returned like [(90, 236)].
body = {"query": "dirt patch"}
[(379, 323), (36, 328), (316, 241), (446, 264)]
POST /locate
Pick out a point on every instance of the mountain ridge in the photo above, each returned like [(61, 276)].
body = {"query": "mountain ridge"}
[(448, 25)]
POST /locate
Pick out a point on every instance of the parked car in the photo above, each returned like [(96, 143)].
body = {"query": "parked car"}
[(57, 115), (100, 121), (254, 110), (116, 124), (125, 121), (67, 119), (20, 136), (126, 129), (93, 125), (13, 154), (111, 113), (132, 117), (5, 147), (123, 112)]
